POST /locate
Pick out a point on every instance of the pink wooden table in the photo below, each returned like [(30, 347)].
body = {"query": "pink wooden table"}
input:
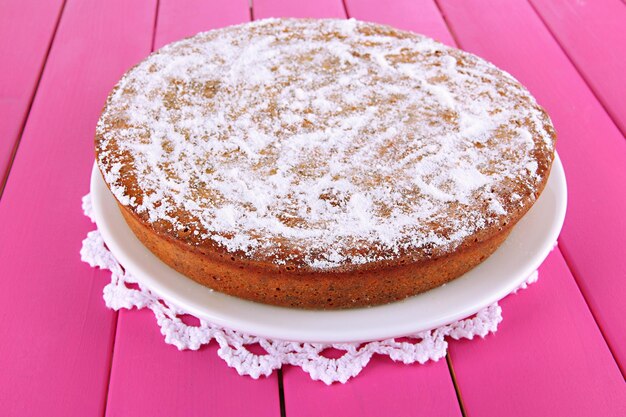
[(561, 350)]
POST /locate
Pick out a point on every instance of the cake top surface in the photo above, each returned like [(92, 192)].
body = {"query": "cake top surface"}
[(321, 144)]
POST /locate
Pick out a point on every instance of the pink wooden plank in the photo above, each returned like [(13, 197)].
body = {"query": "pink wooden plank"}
[(547, 359), (417, 16), (593, 34), (510, 34), (384, 388), (286, 8), (26, 29), (57, 333), (177, 21), (148, 377)]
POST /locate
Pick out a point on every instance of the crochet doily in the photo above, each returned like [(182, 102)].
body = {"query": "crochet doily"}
[(124, 291)]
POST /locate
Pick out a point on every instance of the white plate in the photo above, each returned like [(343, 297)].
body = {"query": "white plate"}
[(521, 254)]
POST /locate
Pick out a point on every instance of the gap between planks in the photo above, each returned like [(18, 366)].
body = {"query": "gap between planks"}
[(5, 175), (154, 26), (281, 393), (457, 389), (447, 23), (108, 383)]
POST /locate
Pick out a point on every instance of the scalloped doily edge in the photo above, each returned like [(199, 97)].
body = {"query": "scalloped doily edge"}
[(125, 292)]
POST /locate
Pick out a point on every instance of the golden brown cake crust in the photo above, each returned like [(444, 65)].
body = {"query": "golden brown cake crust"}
[(312, 290), (396, 166)]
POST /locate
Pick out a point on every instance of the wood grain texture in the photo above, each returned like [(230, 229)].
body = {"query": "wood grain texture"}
[(57, 333), (547, 358), (26, 30), (593, 151), (593, 34), (149, 377)]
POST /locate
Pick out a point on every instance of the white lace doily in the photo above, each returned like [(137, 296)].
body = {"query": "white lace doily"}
[(125, 292)]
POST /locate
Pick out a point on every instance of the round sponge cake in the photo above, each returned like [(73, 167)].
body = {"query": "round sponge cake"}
[(321, 163)]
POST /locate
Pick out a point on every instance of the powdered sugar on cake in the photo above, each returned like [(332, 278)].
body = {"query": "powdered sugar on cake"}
[(321, 143)]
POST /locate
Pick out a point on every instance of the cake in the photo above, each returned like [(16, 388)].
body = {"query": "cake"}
[(321, 164)]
